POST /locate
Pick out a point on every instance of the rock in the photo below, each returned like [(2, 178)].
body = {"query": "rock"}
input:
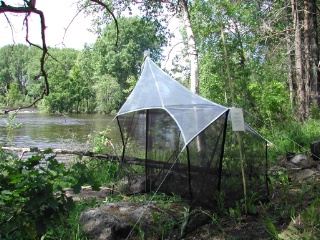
[(86, 192), (305, 174), (300, 160), (116, 220)]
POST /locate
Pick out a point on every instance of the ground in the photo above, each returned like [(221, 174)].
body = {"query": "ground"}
[(291, 212)]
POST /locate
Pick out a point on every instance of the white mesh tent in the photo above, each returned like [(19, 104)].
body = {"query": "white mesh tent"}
[(177, 136), (157, 90)]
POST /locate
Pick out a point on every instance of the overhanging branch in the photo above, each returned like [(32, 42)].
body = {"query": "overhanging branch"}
[(28, 9)]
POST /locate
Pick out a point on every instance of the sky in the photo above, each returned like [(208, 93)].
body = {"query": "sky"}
[(58, 15)]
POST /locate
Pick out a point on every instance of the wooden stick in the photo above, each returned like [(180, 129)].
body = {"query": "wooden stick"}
[(128, 160)]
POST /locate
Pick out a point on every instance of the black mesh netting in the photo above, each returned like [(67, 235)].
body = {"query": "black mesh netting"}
[(174, 143), (155, 158)]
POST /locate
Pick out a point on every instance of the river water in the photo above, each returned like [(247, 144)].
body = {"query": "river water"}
[(71, 132)]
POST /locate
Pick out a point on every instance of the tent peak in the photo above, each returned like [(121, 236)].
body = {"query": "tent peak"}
[(146, 54)]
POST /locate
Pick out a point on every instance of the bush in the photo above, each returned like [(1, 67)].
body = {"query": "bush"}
[(31, 194)]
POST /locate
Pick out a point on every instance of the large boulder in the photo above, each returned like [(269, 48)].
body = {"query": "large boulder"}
[(124, 220)]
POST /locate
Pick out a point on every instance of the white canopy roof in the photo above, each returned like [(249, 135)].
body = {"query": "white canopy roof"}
[(157, 90)]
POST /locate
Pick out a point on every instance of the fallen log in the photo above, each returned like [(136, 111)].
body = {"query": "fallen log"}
[(177, 166)]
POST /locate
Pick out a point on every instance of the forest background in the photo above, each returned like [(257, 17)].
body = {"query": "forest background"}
[(262, 56)]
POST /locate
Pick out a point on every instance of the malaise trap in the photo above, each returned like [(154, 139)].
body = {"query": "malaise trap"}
[(177, 142)]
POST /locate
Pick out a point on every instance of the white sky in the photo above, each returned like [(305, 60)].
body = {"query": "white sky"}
[(58, 15)]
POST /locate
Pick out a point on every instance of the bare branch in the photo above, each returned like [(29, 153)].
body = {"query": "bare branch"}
[(112, 14), (11, 27), (29, 8), (66, 29), (6, 111), (171, 51)]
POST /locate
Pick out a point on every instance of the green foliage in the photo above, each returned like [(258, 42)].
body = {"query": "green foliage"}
[(271, 228), (108, 94), (95, 80), (95, 172), (62, 86), (14, 97), (33, 202), (17, 62), (260, 85), (292, 136), (121, 64), (32, 194), (184, 220), (311, 217), (235, 212), (10, 126)]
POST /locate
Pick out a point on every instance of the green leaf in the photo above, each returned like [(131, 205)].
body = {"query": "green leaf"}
[(6, 192), (34, 149), (4, 173), (281, 236), (47, 151), (292, 228)]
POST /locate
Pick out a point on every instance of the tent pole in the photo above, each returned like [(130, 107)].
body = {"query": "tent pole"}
[(122, 139), (189, 170), (146, 153), (267, 178), (222, 150)]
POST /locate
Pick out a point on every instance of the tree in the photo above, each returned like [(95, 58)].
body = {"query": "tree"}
[(255, 32), (312, 53), (14, 97), (125, 59), (159, 12), (18, 69), (108, 94), (58, 70), (27, 7), (109, 70), (301, 96), (306, 56)]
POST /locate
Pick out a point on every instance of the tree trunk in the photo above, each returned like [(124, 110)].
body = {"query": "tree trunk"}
[(192, 50), (298, 63), (290, 60), (314, 53), (306, 43), (194, 70)]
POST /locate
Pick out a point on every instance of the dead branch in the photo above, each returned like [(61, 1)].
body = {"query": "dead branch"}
[(127, 160)]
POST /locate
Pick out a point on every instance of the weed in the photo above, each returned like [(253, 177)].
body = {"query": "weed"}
[(250, 202), (184, 220), (139, 229), (311, 216), (162, 224), (220, 200), (235, 212)]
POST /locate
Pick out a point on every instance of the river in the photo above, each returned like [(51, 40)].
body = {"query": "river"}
[(69, 131)]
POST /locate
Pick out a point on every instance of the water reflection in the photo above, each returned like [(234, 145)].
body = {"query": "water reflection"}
[(56, 131)]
